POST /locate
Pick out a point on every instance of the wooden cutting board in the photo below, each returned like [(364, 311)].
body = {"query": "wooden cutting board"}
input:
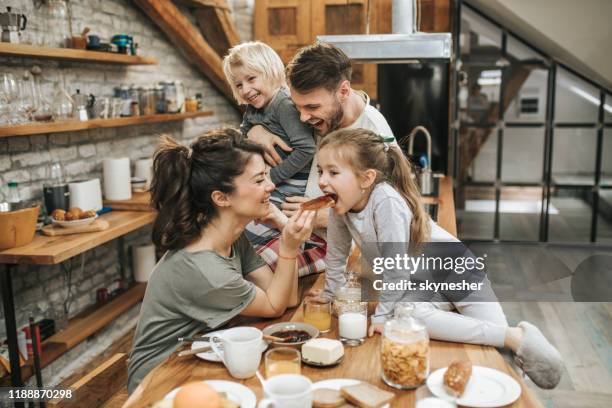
[(138, 202), (97, 225)]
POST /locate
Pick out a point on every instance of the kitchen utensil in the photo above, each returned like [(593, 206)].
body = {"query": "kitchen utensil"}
[(318, 314), (353, 322), (241, 352), (80, 42), (287, 391), (93, 40), (63, 104), (405, 350), (75, 223), (17, 227), (285, 326), (12, 24), (55, 191), (282, 360), (194, 351)]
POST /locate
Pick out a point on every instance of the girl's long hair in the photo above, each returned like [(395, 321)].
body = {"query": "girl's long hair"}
[(184, 179), (363, 150)]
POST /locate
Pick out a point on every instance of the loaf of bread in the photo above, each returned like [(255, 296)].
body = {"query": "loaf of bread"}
[(456, 377)]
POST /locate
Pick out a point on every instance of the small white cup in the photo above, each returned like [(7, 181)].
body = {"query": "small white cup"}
[(242, 348), (287, 391)]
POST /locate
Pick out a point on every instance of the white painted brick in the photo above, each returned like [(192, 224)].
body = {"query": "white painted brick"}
[(87, 150), (31, 158), (20, 176)]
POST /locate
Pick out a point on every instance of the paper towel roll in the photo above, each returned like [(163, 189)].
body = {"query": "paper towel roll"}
[(117, 179), (144, 169), (144, 261), (86, 194)]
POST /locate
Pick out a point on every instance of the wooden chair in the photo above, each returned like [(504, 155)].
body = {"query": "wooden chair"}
[(98, 386)]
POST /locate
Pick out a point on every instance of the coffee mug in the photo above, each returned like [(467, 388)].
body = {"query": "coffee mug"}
[(242, 348), (287, 391)]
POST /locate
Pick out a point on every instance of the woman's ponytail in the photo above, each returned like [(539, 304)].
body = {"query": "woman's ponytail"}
[(176, 222)]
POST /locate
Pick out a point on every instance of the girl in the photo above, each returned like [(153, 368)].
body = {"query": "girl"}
[(378, 201), (256, 76), (205, 196)]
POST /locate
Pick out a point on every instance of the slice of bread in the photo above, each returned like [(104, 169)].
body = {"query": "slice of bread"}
[(366, 395), (327, 398)]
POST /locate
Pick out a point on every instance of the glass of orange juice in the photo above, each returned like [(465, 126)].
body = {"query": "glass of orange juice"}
[(318, 314), (282, 360)]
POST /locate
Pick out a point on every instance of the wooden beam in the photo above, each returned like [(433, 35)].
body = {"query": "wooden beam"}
[(218, 28), (221, 4), (186, 37)]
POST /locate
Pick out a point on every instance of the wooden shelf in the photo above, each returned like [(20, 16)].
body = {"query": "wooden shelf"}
[(70, 54), (44, 250), (83, 326), (75, 125)]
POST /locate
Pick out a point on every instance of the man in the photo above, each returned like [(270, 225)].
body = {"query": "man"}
[(319, 78)]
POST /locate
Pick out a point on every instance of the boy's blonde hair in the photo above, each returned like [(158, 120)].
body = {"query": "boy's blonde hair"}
[(362, 149), (257, 57)]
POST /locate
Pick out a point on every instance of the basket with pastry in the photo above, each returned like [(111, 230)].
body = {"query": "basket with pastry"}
[(74, 217)]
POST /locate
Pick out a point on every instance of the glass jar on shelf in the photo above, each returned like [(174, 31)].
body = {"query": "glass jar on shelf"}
[(63, 104), (404, 349)]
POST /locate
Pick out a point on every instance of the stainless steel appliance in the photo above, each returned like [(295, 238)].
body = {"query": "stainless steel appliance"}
[(12, 24), (405, 44)]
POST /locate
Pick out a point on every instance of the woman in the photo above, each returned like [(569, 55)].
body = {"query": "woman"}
[(205, 196)]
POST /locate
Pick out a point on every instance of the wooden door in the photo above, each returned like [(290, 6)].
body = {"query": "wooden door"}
[(285, 25), (338, 17)]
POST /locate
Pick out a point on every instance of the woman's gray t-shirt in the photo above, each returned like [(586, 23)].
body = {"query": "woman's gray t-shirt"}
[(189, 292)]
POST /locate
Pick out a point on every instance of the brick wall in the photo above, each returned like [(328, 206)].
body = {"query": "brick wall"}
[(38, 290)]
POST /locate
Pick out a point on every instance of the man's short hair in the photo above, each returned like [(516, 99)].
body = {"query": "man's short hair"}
[(318, 65)]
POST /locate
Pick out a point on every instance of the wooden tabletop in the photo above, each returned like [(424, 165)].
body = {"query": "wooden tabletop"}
[(361, 363), (44, 250)]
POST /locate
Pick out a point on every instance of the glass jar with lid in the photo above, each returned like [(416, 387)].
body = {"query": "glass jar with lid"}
[(405, 349)]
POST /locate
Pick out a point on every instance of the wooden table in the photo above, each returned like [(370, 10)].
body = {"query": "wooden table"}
[(361, 363), (45, 250)]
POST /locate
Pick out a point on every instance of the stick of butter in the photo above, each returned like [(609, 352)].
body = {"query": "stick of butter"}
[(322, 351)]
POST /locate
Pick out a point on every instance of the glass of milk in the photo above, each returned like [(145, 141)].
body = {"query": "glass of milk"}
[(352, 322)]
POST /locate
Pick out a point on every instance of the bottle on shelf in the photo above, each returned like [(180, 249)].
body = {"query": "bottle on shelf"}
[(14, 199)]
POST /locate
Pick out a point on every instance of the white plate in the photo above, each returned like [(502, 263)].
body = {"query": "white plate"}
[(487, 388), (75, 223), (211, 355), (336, 384), (235, 392)]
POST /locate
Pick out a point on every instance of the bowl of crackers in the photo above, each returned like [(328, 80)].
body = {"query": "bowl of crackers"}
[(74, 217)]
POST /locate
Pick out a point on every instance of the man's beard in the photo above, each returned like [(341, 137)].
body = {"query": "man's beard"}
[(336, 118)]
